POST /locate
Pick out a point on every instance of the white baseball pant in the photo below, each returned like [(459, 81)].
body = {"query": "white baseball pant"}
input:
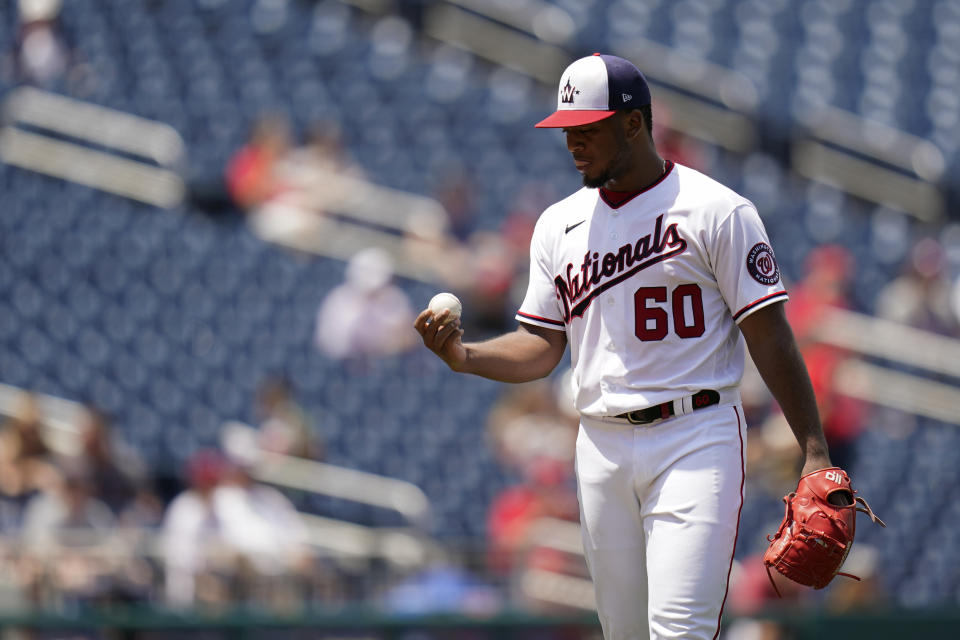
[(659, 511)]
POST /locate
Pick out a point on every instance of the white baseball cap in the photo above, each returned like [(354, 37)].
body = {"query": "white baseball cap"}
[(596, 87)]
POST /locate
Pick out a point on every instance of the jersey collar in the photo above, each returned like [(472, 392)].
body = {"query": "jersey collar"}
[(616, 199)]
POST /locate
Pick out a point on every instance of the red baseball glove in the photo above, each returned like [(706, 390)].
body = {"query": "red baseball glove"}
[(817, 530)]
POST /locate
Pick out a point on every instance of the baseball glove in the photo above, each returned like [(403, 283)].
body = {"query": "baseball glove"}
[(817, 529)]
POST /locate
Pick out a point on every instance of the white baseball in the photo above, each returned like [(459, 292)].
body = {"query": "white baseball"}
[(443, 301)]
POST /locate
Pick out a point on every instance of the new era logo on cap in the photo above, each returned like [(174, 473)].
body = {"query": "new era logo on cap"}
[(596, 87)]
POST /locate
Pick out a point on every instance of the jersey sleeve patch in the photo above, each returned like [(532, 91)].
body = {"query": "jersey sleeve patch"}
[(762, 264)]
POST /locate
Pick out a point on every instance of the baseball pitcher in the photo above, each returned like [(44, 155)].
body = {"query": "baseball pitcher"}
[(658, 278)]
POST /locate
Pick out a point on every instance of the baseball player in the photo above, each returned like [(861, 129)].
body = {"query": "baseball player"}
[(656, 276)]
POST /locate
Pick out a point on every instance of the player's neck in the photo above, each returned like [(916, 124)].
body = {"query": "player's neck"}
[(644, 172)]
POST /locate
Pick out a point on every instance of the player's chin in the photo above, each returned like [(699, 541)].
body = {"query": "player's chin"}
[(593, 181)]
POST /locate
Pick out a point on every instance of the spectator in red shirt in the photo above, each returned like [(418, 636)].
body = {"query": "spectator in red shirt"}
[(253, 175), (823, 288)]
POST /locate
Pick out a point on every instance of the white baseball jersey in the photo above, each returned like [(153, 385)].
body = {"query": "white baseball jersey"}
[(649, 288)]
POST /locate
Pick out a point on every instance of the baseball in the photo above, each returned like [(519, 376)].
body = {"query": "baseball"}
[(443, 301)]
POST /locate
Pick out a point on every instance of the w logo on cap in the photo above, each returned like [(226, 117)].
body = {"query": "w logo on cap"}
[(567, 92)]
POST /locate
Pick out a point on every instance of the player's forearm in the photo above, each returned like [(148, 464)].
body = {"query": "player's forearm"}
[(788, 381), (520, 356), (781, 366)]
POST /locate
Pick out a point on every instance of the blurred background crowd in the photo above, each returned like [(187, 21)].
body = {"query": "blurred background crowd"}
[(219, 218)]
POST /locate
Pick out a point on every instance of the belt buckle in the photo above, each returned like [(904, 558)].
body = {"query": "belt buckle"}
[(631, 419)]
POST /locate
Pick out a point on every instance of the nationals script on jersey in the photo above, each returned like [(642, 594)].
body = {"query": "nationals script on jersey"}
[(649, 288)]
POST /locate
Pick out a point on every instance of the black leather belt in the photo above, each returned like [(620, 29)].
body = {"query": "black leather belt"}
[(699, 400)]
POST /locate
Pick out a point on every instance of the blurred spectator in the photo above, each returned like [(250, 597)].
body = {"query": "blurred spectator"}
[(488, 294), (286, 189), (546, 492), (824, 287), (253, 173), (751, 593), (532, 532), (534, 421), (68, 551), (264, 532), (456, 194), (118, 476), (65, 533), (517, 227), (825, 284), (533, 429), (42, 53), (428, 244), (307, 178), (284, 425), (498, 264), (191, 531), (920, 296), (850, 596), (25, 461), (366, 315), (311, 174), (673, 144), (23, 432), (144, 511), (755, 396), (492, 267), (773, 457), (115, 472), (228, 539), (323, 153), (461, 258), (444, 585), (752, 589), (68, 513)]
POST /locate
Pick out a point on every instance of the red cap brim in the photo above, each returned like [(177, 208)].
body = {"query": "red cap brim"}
[(572, 118)]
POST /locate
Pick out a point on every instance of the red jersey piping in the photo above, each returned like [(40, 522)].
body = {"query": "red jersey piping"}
[(530, 316), (758, 301)]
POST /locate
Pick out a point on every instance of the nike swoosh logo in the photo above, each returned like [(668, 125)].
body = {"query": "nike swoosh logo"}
[(571, 227)]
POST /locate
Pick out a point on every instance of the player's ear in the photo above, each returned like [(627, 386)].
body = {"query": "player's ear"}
[(634, 124)]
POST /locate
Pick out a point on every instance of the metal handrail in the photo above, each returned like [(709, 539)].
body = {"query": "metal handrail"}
[(92, 145)]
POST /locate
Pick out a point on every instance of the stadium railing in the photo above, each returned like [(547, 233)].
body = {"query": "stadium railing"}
[(92, 145)]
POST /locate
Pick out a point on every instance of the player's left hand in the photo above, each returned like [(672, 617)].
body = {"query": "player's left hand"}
[(817, 530), (815, 463)]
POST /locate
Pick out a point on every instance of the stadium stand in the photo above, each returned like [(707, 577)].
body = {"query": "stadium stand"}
[(169, 319)]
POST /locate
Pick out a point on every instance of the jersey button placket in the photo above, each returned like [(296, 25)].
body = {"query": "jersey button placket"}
[(610, 309), (610, 304)]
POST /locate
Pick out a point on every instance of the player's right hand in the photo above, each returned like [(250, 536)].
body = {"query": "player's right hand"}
[(441, 337)]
